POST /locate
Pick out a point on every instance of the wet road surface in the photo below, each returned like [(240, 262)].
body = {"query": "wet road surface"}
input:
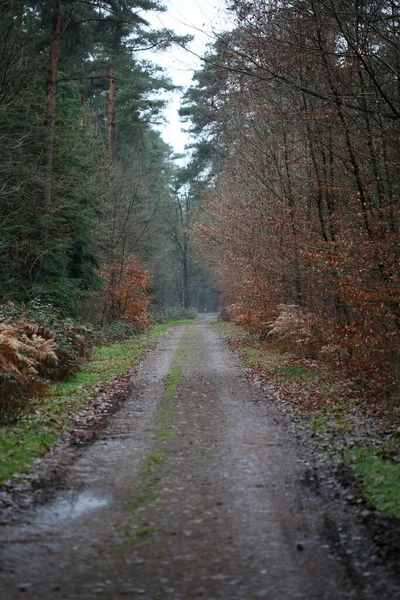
[(193, 490)]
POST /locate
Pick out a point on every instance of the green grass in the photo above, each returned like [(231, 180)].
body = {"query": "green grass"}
[(166, 412), (182, 322), (274, 362), (380, 481), (271, 360), (145, 492), (319, 425), (175, 376), (153, 461), (162, 422), (145, 531), (18, 451), (132, 535), (21, 443)]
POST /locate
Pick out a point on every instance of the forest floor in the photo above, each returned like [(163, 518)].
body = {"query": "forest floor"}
[(198, 486)]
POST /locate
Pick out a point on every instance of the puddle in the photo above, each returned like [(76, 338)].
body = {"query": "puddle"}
[(71, 507)]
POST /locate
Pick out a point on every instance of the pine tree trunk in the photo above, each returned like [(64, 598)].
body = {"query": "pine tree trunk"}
[(83, 102), (49, 120), (111, 113), (186, 298)]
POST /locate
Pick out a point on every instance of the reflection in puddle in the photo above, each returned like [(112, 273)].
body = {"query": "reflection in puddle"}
[(71, 507)]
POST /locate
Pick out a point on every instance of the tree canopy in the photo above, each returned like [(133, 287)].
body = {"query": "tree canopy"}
[(296, 117)]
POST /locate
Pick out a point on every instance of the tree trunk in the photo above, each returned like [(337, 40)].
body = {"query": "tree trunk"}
[(111, 114), (186, 294), (49, 119), (83, 102)]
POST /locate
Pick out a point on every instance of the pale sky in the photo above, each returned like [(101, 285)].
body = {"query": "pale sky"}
[(202, 19)]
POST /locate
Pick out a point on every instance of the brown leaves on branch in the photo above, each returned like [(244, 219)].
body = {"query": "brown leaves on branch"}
[(127, 286), (301, 226)]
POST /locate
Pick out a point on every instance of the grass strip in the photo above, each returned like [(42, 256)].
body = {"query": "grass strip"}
[(166, 411), (50, 417), (146, 493), (175, 376)]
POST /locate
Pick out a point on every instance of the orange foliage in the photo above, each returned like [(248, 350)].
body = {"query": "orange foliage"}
[(301, 224), (127, 285)]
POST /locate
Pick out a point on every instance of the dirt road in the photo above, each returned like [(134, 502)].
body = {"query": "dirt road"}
[(196, 488)]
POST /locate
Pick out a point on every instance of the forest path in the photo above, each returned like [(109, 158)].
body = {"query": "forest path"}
[(193, 490)]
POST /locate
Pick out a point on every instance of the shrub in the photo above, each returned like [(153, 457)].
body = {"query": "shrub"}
[(115, 332), (294, 328), (126, 285), (224, 315), (253, 319)]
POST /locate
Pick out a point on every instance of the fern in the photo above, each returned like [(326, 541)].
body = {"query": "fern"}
[(20, 358)]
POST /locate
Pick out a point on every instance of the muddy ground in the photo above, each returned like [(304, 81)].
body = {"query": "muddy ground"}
[(197, 487)]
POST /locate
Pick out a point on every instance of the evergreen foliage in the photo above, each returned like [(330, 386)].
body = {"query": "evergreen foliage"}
[(81, 183)]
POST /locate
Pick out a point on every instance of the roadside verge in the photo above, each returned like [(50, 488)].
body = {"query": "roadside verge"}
[(353, 433), (75, 407)]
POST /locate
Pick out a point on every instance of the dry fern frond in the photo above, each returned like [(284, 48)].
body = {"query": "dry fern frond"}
[(292, 321), (298, 329), (39, 329), (44, 349), (19, 354)]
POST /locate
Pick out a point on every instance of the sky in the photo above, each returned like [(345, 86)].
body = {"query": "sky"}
[(201, 19)]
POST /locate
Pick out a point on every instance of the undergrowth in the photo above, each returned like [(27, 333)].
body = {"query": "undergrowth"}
[(348, 425), (53, 415)]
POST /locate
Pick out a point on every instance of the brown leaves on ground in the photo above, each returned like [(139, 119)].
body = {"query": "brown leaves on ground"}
[(339, 413)]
